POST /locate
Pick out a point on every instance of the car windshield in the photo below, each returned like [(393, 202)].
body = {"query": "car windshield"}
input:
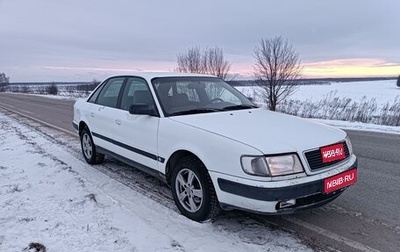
[(193, 95)]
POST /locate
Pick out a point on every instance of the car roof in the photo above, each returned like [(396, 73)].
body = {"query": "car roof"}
[(151, 75)]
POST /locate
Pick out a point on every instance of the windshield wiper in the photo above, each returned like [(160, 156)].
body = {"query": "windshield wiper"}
[(195, 111), (241, 106)]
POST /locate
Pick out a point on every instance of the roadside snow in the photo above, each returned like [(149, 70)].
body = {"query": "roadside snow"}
[(51, 197), (360, 126), (56, 97)]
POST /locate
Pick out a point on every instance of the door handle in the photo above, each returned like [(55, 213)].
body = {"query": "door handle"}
[(118, 122)]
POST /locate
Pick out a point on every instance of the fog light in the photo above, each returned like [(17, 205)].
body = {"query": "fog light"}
[(287, 203)]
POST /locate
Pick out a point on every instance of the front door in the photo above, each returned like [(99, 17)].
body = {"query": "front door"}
[(137, 134)]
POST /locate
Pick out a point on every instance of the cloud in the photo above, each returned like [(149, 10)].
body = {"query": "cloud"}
[(146, 34)]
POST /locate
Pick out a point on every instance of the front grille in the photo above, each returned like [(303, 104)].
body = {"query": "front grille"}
[(314, 158)]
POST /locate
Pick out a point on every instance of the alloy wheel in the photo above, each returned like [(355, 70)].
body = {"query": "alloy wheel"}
[(87, 146), (189, 190)]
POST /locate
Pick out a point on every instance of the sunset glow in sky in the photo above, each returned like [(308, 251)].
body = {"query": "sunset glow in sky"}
[(351, 68), (74, 40), (338, 68)]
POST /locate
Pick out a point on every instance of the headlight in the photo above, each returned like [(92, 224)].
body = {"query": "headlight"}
[(272, 166), (284, 165), (349, 145), (255, 166)]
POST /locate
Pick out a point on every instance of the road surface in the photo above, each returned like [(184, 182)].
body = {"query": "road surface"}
[(366, 217)]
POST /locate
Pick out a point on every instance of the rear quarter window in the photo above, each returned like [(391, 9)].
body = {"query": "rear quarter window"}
[(96, 93)]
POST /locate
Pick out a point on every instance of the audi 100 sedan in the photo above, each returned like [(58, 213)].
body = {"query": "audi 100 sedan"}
[(212, 146)]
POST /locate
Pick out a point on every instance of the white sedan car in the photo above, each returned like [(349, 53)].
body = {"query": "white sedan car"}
[(212, 146)]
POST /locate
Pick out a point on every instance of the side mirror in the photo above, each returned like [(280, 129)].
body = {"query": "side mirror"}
[(250, 99), (142, 109)]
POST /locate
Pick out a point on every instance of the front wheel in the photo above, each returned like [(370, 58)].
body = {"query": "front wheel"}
[(89, 149), (193, 190)]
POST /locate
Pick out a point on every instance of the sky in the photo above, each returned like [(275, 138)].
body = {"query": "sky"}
[(75, 40)]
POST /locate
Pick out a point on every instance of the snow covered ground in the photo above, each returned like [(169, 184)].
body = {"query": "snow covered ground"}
[(383, 91), (360, 126), (376, 102), (49, 196)]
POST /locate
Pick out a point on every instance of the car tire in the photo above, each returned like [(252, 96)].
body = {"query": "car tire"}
[(193, 190), (89, 149)]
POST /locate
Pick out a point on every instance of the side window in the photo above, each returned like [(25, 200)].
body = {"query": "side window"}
[(94, 96), (136, 91), (108, 95)]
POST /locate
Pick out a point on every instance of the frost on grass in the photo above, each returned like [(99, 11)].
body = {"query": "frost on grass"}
[(35, 247), (374, 102), (15, 189), (91, 197), (333, 107)]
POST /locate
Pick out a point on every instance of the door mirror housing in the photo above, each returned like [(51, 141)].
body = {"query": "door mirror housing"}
[(142, 109)]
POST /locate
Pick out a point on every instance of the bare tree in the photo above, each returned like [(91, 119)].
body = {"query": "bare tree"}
[(215, 63), (209, 61), (277, 69), (190, 61), (52, 89), (4, 81)]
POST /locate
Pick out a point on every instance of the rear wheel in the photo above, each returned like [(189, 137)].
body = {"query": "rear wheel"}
[(89, 149), (193, 191)]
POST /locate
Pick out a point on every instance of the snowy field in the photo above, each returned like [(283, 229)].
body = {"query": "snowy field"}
[(50, 197), (373, 102), (383, 91)]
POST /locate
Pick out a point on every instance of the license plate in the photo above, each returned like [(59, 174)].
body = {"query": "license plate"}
[(339, 181), (333, 153)]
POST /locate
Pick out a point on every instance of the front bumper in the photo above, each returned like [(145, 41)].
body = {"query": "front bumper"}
[(75, 125), (303, 193)]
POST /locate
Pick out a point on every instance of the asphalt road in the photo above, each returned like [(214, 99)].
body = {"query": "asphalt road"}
[(365, 218)]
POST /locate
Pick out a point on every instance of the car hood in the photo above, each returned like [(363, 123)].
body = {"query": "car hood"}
[(270, 132)]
